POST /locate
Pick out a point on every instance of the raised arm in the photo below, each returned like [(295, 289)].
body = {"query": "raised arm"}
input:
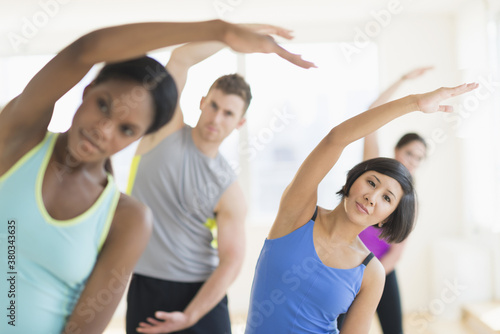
[(30, 112), (370, 148), (299, 199), (179, 64), (231, 212), (181, 60)]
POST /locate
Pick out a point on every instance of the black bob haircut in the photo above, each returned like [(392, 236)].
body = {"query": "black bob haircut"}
[(401, 221), (153, 76)]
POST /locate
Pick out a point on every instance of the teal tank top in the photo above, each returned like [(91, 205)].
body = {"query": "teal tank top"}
[(294, 292), (44, 262)]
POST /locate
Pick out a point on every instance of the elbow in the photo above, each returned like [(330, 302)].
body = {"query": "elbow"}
[(147, 223), (336, 138), (84, 48), (233, 263)]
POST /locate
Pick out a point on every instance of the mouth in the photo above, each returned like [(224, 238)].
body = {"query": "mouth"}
[(88, 144), (211, 128), (361, 208)]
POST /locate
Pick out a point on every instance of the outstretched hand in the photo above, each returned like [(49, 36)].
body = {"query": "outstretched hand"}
[(245, 40), (416, 72), (430, 102), (268, 29), (169, 322)]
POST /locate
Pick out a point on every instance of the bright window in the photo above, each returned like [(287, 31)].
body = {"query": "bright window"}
[(292, 110)]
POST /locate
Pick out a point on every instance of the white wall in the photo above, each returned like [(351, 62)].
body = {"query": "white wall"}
[(411, 42)]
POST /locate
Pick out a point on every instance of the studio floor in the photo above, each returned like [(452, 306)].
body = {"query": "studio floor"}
[(434, 326)]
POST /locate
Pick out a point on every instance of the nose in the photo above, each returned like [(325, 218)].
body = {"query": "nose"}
[(104, 130), (370, 199), (218, 117)]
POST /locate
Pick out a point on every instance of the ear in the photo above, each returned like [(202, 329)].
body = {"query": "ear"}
[(383, 222), (202, 101), (242, 121), (344, 191)]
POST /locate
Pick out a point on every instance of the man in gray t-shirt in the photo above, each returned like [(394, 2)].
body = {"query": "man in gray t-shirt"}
[(198, 243)]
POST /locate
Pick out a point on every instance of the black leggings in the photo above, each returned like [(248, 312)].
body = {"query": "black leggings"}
[(147, 295), (389, 308)]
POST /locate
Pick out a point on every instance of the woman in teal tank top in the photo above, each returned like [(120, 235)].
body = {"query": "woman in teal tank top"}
[(69, 240), (310, 270)]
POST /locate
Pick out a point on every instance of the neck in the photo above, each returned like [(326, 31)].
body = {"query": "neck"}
[(338, 226), (208, 148)]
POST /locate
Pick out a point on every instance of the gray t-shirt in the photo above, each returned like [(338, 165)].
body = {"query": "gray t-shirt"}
[(181, 186)]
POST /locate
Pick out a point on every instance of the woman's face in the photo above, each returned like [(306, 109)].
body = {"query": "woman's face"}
[(113, 114), (411, 155), (372, 198)]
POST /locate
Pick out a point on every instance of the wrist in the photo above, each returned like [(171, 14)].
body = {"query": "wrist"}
[(192, 317), (412, 103), (221, 29)]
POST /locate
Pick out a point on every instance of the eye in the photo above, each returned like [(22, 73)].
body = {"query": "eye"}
[(103, 106), (127, 131), (229, 114), (213, 105), (387, 198), (371, 183)]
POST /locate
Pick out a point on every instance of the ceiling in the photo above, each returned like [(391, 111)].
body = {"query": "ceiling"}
[(60, 21)]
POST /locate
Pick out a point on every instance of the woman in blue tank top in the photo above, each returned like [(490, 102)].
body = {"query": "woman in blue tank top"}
[(310, 270), (68, 238)]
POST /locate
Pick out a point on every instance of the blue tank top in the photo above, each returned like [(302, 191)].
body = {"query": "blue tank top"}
[(44, 262), (294, 292)]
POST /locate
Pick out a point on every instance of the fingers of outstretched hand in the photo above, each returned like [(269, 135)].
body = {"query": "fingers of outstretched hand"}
[(146, 328), (269, 29), (445, 108), (464, 88), (242, 39), (275, 30), (294, 58), (164, 315), (153, 321), (430, 102), (458, 90)]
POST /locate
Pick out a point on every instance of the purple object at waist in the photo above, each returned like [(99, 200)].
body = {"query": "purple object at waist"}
[(369, 236)]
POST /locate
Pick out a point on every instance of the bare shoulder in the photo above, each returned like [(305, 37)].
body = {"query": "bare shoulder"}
[(233, 199), (374, 276), (150, 141), (132, 216)]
